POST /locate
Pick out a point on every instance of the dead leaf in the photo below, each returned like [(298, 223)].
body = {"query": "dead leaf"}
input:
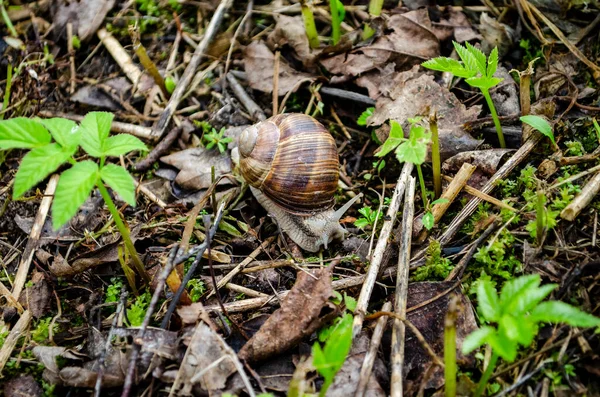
[(496, 34), (410, 41), (22, 386), (48, 355), (305, 308), (486, 161), (258, 63), (37, 297), (85, 15), (414, 93), (455, 23), (194, 167), (505, 95), (290, 31)]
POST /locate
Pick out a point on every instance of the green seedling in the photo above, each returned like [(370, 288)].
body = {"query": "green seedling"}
[(329, 359), (76, 183), (309, 25), (477, 71), (7, 21), (137, 311), (428, 218), (514, 316), (197, 288), (375, 7), (338, 12), (540, 124), (368, 218), (436, 161), (214, 138), (362, 119)]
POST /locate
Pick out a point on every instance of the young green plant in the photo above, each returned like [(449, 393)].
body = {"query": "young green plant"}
[(309, 25), (514, 316), (338, 12), (76, 183), (477, 71), (540, 124), (375, 7), (214, 138)]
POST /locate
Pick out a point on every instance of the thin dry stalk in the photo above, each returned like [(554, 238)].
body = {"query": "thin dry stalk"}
[(133, 73), (245, 291), (71, 57), (182, 85), (583, 199), (34, 237), (275, 96), (255, 111), (483, 196), (160, 149), (146, 61), (386, 230), (367, 367), (398, 326), (13, 337)]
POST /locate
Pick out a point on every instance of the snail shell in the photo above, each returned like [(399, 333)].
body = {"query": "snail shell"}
[(292, 159)]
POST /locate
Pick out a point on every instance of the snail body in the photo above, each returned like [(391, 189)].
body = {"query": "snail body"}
[(291, 163)]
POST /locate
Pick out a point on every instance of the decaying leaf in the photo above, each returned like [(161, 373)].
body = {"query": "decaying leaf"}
[(486, 161), (290, 31), (37, 297), (304, 310), (496, 34), (258, 63), (22, 386), (195, 167), (85, 15), (454, 23)]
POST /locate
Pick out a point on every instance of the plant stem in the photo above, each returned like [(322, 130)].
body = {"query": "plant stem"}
[(7, 90), (309, 26), (7, 21), (124, 230), (422, 183), (486, 375), (335, 21), (540, 216), (375, 7), (435, 156), (488, 99), (450, 350)]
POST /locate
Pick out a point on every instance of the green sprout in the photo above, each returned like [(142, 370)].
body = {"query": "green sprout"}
[(309, 25), (516, 313), (214, 138), (375, 7), (477, 71), (338, 12), (540, 124)]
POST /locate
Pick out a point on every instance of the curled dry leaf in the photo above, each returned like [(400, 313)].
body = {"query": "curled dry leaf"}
[(413, 93), (409, 42), (194, 167), (258, 63), (486, 161), (455, 24), (290, 31), (85, 15), (22, 386), (38, 296), (304, 310)]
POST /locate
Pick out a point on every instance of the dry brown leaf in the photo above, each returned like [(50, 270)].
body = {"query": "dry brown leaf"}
[(305, 308), (194, 167), (486, 161), (455, 23), (258, 63), (496, 34), (413, 94), (290, 31), (37, 297), (22, 386), (85, 15), (410, 41)]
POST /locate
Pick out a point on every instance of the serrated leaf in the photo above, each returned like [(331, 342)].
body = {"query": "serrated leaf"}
[(394, 139), (361, 223), (480, 62), (362, 119), (529, 298), (64, 131), (22, 133), (37, 165), (467, 57), (487, 300), (513, 289), (95, 128), (122, 144), (477, 338), (411, 152), (492, 63), (74, 187), (443, 64), (560, 312), (120, 181), (503, 346), (521, 330), (483, 83), (428, 220), (540, 124)]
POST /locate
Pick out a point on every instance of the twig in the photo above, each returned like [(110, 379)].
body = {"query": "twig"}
[(182, 85), (255, 111), (71, 57), (275, 96), (13, 337), (159, 150), (485, 197), (398, 331), (367, 367), (369, 284), (146, 61), (34, 237), (587, 194), (344, 94), (133, 73)]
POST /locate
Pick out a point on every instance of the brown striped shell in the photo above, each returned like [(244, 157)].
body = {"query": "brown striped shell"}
[(293, 160)]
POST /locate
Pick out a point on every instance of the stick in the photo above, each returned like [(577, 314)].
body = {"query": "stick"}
[(159, 150), (116, 50), (34, 237), (367, 367), (71, 57), (386, 230), (398, 327), (161, 126), (13, 337), (255, 111), (588, 193)]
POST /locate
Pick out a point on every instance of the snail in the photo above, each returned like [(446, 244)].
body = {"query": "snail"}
[(291, 163)]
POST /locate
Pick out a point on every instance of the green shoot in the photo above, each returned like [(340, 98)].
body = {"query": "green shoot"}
[(338, 12), (309, 25), (214, 138), (478, 72), (436, 161), (428, 217), (7, 21), (375, 7), (450, 368), (597, 129), (329, 359), (541, 217), (76, 183), (540, 124), (368, 218), (362, 119), (516, 313)]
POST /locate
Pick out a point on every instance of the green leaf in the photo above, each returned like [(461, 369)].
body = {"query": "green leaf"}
[(515, 289), (37, 165), (22, 133), (560, 312), (479, 56), (528, 299), (503, 346), (362, 119), (394, 139), (466, 56), (361, 223), (487, 300), (95, 129), (428, 220), (453, 66), (74, 187), (492, 63), (483, 83), (441, 200), (411, 152), (477, 338), (120, 181), (521, 330), (122, 144), (64, 131), (350, 302), (540, 124)]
